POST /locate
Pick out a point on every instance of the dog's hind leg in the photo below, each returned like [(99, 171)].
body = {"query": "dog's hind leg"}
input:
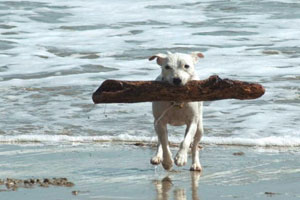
[(196, 166), (162, 133), (156, 160), (181, 156)]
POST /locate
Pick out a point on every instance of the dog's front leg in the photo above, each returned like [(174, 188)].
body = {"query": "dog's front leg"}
[(196, 166), (156, 160), (162, 133), (181, 156)]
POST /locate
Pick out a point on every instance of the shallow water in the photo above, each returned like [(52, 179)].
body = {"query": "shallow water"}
[(112, 171), (54, 54)]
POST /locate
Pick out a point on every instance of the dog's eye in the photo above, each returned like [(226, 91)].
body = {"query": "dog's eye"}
[(186, 66), (167, 67)]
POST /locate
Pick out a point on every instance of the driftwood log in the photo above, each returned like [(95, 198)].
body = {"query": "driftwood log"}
[(213, 88)]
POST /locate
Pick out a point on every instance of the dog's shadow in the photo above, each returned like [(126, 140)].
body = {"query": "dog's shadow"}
[(163, 188)]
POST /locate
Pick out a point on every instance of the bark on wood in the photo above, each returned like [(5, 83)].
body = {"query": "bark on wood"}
[(213, 88)]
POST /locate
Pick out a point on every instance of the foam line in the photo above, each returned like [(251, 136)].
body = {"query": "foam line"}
[(57, 139)]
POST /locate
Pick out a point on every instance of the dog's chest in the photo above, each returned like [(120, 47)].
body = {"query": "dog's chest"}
[(178, 114)]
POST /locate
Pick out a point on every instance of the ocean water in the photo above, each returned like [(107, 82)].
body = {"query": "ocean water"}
[(55, 54)]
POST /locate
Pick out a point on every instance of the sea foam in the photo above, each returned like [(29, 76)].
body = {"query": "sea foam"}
[(125, 138)]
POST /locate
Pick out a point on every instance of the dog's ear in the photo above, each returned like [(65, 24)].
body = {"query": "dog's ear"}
[(160, 58), (196, 56)]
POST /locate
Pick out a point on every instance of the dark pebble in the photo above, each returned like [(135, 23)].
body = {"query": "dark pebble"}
[(270, 193), (46, 180), (140, 144), (238, 153)]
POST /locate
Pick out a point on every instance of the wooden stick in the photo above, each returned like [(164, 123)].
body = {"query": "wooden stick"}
[(213, 88)]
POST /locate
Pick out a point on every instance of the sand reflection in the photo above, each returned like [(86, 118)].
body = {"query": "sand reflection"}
[(164, 187)]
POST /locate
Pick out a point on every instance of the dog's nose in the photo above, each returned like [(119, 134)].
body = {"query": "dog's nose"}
[(177, 81)]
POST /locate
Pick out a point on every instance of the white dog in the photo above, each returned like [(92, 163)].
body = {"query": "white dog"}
[(177, 69)]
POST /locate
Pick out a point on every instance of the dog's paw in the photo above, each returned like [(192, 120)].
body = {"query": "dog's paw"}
[(156, 160), (167, 164), (181, 159), (196, 167)]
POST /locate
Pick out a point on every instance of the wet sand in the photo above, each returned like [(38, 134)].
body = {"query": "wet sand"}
[(123, 171)]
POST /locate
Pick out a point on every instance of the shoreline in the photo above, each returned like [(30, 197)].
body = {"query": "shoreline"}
[(145, 144), (174, 140)]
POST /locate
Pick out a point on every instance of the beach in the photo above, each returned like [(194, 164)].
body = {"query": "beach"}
[(123, 171)]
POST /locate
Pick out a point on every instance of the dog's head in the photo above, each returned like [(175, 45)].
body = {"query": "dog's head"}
[(177, 68)]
